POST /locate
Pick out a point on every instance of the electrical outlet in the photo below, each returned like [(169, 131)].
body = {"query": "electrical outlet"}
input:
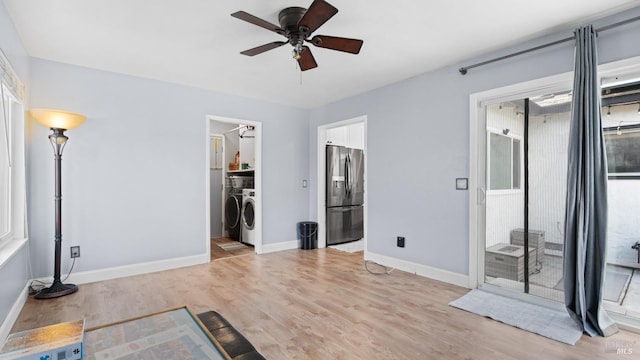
[(400, 241), (75, 251)]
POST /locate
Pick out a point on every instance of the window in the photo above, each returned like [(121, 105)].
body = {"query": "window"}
[(504, 162), (623, 151), (5, 166), (12, 169)]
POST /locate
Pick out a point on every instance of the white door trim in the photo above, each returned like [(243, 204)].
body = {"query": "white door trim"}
[(477, 144)]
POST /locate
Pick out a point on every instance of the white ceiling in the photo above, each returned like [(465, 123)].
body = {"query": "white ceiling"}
[(198, 43)]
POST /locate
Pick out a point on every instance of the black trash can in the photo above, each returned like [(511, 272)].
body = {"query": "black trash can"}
[(308, 235)]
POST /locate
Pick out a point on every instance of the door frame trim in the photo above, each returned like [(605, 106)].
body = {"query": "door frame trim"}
[(257, 179), (477, 135), (322, 176)]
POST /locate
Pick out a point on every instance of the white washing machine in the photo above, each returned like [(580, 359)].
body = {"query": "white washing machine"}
[(249, 216)]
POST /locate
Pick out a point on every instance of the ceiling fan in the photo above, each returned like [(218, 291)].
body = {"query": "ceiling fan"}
[(297, 24)]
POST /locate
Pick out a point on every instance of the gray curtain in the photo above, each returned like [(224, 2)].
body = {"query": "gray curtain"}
[(586, 207)]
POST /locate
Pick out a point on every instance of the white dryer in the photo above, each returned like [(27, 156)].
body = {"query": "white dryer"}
[(249, 216)]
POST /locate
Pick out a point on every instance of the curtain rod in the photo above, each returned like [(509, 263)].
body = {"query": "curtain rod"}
[(463, 70)]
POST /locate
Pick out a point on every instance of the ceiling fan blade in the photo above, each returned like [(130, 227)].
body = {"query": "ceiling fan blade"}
[(262, 48), (318, 13), (242, 15), (337, 43), (306, 60)]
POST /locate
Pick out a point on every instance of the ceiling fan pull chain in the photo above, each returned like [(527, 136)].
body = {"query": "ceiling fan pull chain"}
[(299, 71)]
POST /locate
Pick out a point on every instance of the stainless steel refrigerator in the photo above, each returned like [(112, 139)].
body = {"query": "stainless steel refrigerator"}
[(345, 194)]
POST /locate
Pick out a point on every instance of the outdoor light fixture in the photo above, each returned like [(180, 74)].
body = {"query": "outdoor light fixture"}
[(609, 111), (58, 121), (618, 130)]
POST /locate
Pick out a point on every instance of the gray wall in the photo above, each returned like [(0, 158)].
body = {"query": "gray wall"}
[(14, 273), (134, 172), (418, 143)]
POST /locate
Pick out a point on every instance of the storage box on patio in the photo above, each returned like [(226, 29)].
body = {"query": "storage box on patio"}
[(536, 240), (507, 261)]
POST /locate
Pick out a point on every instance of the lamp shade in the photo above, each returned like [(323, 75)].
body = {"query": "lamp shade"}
[(57, 119)]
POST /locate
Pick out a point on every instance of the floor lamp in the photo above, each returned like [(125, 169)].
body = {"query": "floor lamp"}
[(58, 121)]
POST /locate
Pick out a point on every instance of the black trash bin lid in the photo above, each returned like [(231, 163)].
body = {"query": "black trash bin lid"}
[(307, 228)]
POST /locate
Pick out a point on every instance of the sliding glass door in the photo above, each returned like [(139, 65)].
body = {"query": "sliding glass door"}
[(520, 140), (525, 180)]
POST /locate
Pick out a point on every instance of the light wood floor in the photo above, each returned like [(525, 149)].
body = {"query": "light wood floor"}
[(319, 304)]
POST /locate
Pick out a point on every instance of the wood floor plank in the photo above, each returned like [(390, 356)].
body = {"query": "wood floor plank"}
[(318, 304)]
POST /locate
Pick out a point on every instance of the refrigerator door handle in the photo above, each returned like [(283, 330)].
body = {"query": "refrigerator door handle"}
[(350, 184), (346, 176)]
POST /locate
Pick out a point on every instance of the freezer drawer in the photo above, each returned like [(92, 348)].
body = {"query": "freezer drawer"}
[(344, 224)]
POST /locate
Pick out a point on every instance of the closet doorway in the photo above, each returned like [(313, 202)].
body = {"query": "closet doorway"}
[(234, 166)]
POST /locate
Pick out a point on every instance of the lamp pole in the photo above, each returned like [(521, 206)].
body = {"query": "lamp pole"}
[(58, 141)]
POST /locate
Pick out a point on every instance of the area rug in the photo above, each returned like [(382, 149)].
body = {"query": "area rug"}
[(554, 324), (232, 245), (614, 284)]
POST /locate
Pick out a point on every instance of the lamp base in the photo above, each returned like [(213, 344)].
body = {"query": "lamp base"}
[(56, 289)]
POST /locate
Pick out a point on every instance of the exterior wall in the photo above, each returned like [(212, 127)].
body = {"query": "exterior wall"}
[(504, 209)]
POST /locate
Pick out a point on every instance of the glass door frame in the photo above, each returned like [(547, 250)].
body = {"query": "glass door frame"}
[(477, 202)]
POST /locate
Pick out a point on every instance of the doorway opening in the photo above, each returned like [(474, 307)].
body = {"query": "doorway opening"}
[(519, 138), (234, 187), (348, 134)]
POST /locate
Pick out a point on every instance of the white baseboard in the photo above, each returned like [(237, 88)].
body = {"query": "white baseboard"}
[(420, 269), (284, 245), (100, 275), (12, 316), (86, 277)]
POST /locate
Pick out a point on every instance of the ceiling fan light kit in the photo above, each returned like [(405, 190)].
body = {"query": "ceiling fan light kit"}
[(297, 24)]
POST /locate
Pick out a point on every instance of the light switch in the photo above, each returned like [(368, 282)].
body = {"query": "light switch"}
[(304, 183), (462, 184)]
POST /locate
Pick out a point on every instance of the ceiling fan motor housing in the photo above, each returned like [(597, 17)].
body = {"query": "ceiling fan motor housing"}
[(289, 19)]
